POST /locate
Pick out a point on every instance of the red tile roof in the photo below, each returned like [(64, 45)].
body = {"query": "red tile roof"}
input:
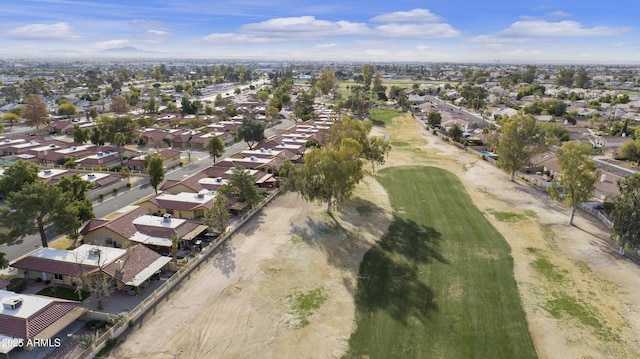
[(53, 266), (135, 261), (29, 327), (47, 316)]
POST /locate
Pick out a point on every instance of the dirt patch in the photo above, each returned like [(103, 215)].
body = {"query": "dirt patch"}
[(580, 298), (283, 288)]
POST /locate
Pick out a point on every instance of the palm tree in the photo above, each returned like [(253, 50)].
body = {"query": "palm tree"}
[(175, 242), (456, 132)]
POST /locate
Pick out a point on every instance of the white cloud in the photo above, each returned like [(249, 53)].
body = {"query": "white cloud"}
[(423, 47), (416, 31), (415, 16), (111, 44), (155, 36), (57, 31), (326, 46), (236, 38), (144, 23), (567, 28), (304, 27)]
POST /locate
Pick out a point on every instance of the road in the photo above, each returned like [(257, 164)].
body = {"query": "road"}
[(124, 198)]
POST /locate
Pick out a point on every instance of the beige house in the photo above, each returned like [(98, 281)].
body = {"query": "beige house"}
[(186, 205), (134, 225), (130, 266)]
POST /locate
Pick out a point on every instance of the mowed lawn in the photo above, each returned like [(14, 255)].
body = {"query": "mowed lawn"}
[(440, 283)]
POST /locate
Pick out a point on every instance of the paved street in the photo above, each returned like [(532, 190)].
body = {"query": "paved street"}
[(140, 190)]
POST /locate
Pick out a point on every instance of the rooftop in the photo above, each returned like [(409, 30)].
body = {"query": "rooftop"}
[(86, 254)]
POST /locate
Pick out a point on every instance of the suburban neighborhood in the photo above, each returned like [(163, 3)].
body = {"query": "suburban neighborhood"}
[(196, 151)]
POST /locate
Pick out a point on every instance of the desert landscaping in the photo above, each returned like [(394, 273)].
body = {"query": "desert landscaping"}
[(284, 286)]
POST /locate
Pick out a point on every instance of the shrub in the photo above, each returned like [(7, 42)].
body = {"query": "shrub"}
[(38, 279), (101, 195), (128, 184), (115, 191), (48, 281), (85, 341), (17, 284)]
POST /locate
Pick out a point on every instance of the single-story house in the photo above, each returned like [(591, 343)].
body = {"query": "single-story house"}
[(184, 205), (130, 266), (25, 317), (134, 225)]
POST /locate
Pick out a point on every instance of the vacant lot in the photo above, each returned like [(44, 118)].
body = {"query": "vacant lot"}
[(440, 282)]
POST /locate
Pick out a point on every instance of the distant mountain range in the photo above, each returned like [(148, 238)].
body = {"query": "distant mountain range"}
[(127, 50)]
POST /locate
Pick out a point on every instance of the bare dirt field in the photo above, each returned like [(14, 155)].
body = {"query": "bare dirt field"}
[(581, 299)]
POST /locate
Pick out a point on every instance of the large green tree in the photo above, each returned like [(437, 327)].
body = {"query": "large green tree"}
[(242, 186), (367, 74), (455, 132), (67, 109), (119, 139), (31, 209), (80, 135), (74, 191), (329, 174), (434, 118), (11, 118), (521, 137), (217, 217), (109, 126), (303, 108), (579, 172), (215, 147), (155, 170), (251, 131), (327, 82), (19, 174), (626, 214), (374, 149)]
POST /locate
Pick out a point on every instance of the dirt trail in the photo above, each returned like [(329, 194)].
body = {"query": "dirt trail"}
[(242, 304)]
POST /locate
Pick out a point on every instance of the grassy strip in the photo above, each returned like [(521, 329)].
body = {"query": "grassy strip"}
[(383, 116), (63, 293), (440, 283)]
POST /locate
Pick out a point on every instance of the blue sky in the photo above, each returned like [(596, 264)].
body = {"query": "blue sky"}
[(524, 31)]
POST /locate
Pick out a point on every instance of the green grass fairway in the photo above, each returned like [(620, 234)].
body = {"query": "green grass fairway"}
[(383, 116), (440, 283)]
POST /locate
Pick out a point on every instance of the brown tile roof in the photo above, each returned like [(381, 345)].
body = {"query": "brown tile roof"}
[(135, 260), (47, 316), (123, 225), (3, 283), (53, 266), (93, 224), (168, 184), (182, 206), (169, 153), (25, 328)]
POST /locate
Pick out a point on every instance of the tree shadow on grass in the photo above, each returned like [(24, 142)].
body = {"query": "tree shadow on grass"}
[(390, 274)]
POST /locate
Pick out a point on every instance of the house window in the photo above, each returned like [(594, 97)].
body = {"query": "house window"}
[(109, 240), (57, 277)]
